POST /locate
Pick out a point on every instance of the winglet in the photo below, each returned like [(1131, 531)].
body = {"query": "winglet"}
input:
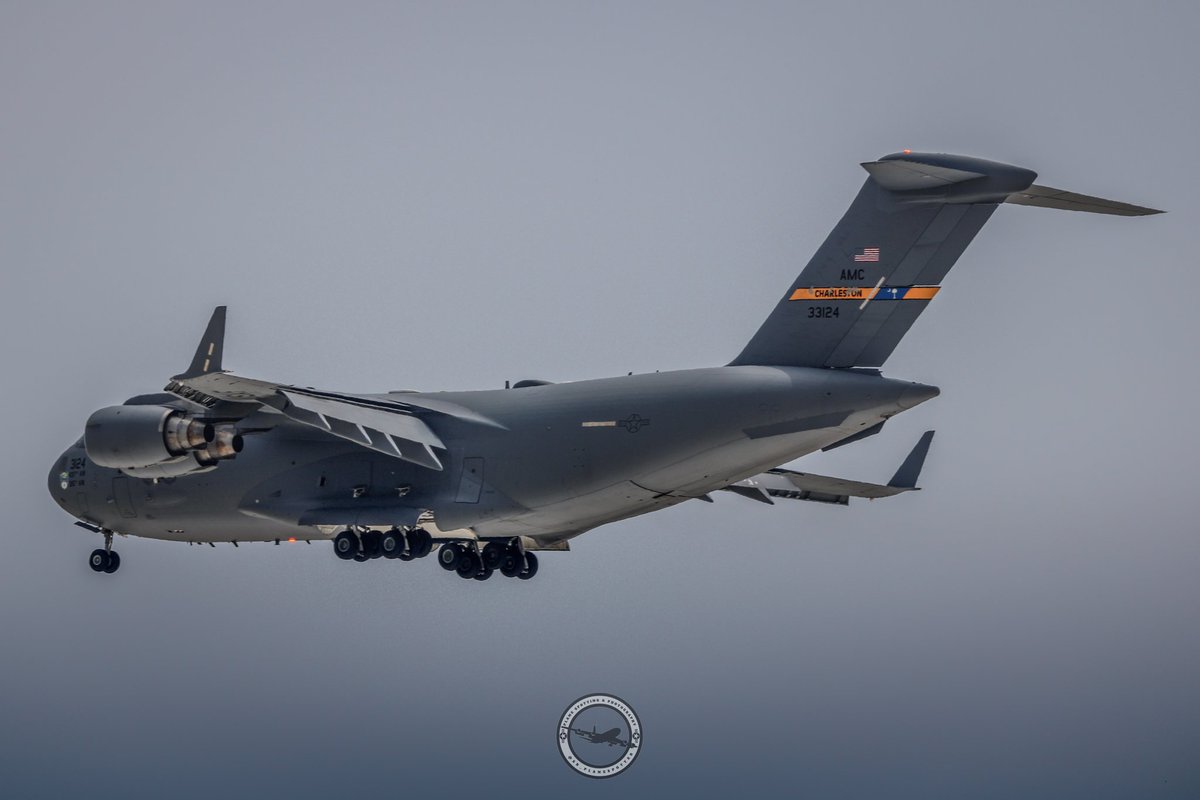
[(211, 347), (906, 476)]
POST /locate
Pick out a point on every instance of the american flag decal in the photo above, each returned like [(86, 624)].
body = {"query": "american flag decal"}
[(868, 254)]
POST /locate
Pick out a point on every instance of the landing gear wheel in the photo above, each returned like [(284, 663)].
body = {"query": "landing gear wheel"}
[(361, 557), (531, 567), (493, 554), (345, 545), (114, 562), (511, 564), (98, 561), (449, 556), (483, 574), (420, 543), (371, 543), (392, 544), (468, 564)]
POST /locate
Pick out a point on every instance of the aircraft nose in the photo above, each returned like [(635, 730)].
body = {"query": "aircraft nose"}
[(66, 478), (58, 481), (917, 393)]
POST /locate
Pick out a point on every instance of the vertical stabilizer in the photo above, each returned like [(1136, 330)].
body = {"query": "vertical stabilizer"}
[(884, 261)]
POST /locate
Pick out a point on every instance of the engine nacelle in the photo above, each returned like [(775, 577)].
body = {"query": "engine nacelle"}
[(183, 465), (156, 441)]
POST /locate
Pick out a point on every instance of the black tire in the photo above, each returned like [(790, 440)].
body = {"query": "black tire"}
[(361, 557), (468, 564), (392, 544), (98, 560), (493, 553), (484, 574), (531, 567), (426, 543), (114, 562), (371, 544), (346, 545), (449, 556), (511, 564)]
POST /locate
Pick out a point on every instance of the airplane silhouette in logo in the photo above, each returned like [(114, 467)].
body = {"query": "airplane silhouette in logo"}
[(610, 737)]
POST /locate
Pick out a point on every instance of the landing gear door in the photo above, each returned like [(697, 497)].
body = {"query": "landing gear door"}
[(471, 482)]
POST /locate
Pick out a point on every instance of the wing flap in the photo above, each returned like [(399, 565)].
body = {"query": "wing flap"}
[(391, 432)]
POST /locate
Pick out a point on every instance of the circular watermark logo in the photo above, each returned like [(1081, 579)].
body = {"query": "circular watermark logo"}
[(599, 736)]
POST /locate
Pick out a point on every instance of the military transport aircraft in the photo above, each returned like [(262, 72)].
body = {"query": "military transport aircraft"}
[(496, 475)]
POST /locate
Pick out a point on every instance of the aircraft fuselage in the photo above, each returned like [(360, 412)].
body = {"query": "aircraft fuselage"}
[(563, 458)]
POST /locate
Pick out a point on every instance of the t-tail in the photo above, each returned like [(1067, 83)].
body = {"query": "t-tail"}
[(885, 260)]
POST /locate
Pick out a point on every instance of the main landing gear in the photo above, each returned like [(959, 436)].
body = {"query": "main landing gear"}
[(468, 559), (105, 559), (404, 544), (471, 562)]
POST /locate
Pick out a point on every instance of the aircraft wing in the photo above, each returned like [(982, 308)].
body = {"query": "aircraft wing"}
[(396, 428), (792, 485)]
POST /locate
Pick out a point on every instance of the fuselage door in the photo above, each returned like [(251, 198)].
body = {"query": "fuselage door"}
[(471, 482)]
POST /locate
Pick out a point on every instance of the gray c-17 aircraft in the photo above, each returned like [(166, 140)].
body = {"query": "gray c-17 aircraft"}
[(497, 475)]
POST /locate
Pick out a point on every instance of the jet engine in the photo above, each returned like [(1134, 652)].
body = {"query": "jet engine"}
[(156, 441)]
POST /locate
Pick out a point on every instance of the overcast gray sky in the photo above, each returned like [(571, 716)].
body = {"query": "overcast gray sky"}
[(446, 196)]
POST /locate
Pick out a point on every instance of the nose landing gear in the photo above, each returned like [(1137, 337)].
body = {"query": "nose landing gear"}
[(105, 559)]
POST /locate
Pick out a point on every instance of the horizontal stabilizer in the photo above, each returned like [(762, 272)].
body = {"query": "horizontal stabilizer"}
[(1046, 197)]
